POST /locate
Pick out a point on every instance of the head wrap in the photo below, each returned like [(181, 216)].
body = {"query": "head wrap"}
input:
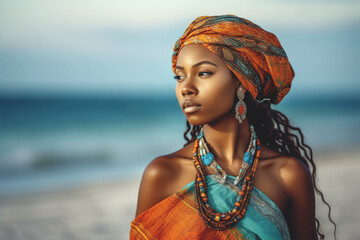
[(254, 55)]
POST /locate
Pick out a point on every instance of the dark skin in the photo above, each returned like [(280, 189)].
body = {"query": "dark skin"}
[(204, 79)]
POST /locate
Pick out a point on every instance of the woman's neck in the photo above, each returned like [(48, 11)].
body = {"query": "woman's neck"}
[(228, 140)]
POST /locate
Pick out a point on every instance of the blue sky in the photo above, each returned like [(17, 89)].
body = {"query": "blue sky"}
[(124, 48)]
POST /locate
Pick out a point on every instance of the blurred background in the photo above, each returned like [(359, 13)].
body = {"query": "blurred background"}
[(87, 101)]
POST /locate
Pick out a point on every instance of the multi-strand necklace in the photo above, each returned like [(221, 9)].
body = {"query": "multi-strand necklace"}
[(203, 157), (208, 158)]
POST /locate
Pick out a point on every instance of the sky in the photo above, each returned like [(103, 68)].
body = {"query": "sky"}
[(108, 47)]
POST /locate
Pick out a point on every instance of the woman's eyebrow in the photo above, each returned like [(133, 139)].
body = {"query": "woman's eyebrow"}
[(197, 64)]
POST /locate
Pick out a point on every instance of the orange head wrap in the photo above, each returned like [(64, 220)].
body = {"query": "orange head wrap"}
[(254, 55)]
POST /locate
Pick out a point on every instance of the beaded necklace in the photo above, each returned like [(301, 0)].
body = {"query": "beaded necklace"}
[(208, 158), (213, 219)]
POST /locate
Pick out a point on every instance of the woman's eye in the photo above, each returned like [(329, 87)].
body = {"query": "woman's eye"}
[(205, 74), (177, 77)]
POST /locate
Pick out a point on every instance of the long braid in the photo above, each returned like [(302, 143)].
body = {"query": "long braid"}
[(275, 131)]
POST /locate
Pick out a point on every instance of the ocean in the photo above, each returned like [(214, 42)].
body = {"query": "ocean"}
[(58, 142)]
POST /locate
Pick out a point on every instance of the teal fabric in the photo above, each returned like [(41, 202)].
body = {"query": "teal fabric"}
[(263, 218)]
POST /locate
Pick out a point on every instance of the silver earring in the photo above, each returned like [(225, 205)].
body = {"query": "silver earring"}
[(240, 108)]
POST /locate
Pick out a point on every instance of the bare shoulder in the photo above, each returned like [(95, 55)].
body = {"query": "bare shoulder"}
[(294, 171), (300, 189), (279, 176), (299, 186), (163, 177), (288, 168), (291, 187)]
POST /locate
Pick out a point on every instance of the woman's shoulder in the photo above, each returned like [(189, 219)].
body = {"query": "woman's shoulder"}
[(288, 182), (290, 169), (165, 175), (283, 178), (286, 164), (171, 166)]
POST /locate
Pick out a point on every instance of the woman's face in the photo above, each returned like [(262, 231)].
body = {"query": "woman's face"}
[(205, 86)]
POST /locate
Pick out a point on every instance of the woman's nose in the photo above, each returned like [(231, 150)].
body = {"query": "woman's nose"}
[(189, 88)]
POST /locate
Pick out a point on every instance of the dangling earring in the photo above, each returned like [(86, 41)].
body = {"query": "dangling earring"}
[(240, 108)]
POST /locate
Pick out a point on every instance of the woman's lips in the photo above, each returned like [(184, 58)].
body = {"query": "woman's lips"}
[(191, 109), (190, 106)]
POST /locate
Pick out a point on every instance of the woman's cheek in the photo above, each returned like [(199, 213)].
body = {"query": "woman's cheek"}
[(221, 97)]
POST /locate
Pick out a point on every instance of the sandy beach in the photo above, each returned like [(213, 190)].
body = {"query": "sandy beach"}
[(105, 210)]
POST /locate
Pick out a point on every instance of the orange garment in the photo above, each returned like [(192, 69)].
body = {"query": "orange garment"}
[(254, 55), (176, 217)]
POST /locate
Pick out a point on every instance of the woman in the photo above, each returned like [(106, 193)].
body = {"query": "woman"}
[(252, 177)]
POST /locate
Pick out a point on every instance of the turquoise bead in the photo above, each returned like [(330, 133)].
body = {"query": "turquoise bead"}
[(247, 157), (206, 160)]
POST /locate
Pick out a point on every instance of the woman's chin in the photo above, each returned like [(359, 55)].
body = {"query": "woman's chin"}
[(197, 121)]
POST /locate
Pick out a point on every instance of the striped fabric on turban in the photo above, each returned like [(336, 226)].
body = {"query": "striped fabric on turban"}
[(254, 55)]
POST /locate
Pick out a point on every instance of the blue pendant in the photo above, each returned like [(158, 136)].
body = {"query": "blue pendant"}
[(210, 155), (207, 160), (247, 158)]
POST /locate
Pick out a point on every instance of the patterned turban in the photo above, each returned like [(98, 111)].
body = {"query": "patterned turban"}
[(254, 55)]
